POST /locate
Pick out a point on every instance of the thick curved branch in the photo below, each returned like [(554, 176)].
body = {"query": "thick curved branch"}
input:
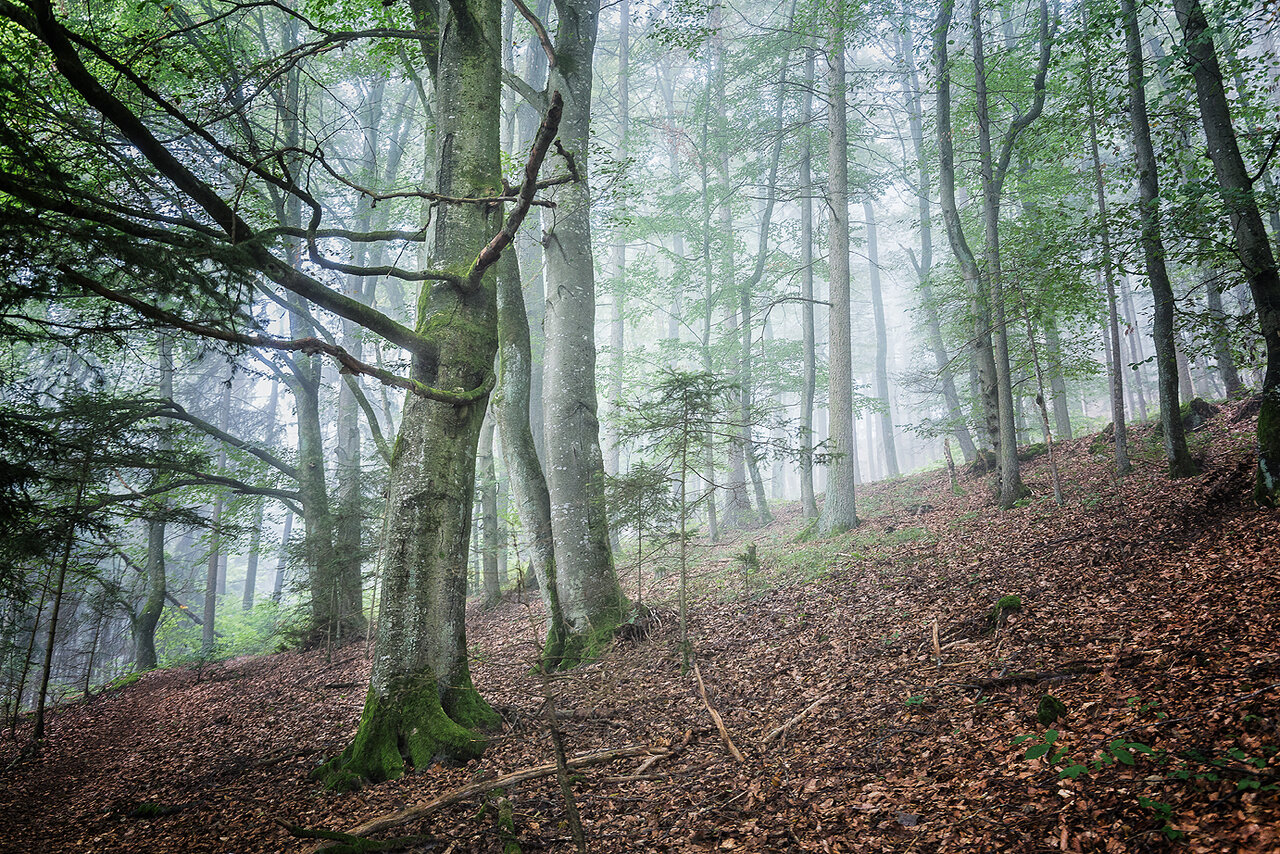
[(310, 346)]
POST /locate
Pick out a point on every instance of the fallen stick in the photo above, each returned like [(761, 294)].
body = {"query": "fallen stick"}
[(408, 814), (653, 760), (715, 716), (780, 730)]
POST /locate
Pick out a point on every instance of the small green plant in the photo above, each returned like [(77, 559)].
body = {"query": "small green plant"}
[(1050, 709), (1164, 814), (915, 700)]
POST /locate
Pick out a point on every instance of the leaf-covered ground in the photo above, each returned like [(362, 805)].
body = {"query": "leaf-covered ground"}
[(1149, 609)]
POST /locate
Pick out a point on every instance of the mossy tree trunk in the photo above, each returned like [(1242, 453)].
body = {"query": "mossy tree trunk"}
[(421, 705)]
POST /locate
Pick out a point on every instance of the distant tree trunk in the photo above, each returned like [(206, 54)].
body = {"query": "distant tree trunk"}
[(208, 636), (1253, 246), (1175, 442), (59, 590), (1057, 382), (1136, 355), (839, 511), (1221, 332), (488, 482), (282, 562), (808, 387), (708, 301), (590, 594), (993, 173), (882, 343), (255, 536), (617, 327), (148, 617)]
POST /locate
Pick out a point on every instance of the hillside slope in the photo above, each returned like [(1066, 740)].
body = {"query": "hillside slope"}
[(873, 694)]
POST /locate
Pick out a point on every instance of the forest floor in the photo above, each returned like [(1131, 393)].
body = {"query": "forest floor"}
[(1149, 608)]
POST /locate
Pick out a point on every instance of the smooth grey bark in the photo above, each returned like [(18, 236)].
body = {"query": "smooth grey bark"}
[(590, 594), (1116, 357), (1136, 355), (143, 625), (839, 510), (208, 636), (1252, 244), (520, 452), (992, 168), (737, 504), (487, 480), (1220, 330), (528, 242), (255, 535), (282, 561), (709, 477), (617, 324), (1057, 382), (913, 98), (747, 288), (882, 343), (1175, 442), (983, 368), (808, 382)]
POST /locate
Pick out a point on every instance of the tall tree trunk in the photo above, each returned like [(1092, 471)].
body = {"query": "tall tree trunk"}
[(1057, 382), (617, 326), (282, 562), (1116, 375), (924, 266), (255, 536), (520, 453), (1175, 442), (1136, 355), (1220, 330), (882, 343), (1253, 247), (421, 705), (590, 594), (839, 511), (808, 387), (992, 174), (983, 362)]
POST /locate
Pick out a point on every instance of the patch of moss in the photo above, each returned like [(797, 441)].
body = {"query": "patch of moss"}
[(1050, 709), (996, 616), (410, 726)]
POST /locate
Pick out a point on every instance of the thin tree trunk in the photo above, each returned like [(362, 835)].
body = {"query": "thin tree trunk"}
[(488, 482), (1175, 442), (808, 387), (882, 343), (1116, 374)]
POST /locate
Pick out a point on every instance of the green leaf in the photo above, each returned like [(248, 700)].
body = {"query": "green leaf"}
[(1071, 772), (1036, 751)]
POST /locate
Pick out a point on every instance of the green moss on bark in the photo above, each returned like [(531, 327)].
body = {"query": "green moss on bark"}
[(410, 727)]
